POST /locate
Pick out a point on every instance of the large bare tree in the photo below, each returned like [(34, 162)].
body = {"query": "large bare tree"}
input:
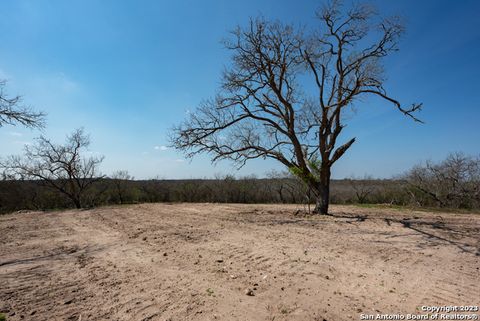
[(266, 107), (13, 112), (60, 166)]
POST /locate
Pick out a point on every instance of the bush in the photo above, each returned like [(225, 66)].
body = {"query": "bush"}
[(454, 182)]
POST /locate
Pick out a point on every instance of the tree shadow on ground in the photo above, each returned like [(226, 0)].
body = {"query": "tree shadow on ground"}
[(436, 230)]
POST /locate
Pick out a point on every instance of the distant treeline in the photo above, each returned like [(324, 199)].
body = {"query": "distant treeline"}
[(451, 183), (34, 195)]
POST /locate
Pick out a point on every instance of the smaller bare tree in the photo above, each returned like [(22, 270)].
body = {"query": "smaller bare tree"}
[(61, 167), (287, 186), (120, 179), (362, 187), (454, 182), (13, 112)]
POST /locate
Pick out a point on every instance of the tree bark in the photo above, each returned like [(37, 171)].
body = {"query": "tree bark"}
[(323, 199), (323, 192), (77, 202)]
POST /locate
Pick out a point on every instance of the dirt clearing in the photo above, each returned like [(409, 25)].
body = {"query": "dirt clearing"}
[(234, 262)]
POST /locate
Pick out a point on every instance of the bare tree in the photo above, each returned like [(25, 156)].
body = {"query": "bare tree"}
[(120, 179), (263, 109), (287, 186), (61, 167), (362, 187), (13, 112), (454, 182)]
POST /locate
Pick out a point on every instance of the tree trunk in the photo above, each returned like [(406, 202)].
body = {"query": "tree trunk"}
[(77, 202), (323, 199), (323, 192)]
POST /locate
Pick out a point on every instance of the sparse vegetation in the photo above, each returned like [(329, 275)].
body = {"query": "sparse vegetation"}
[(451, 183), (121, 189), (33, 195), (277, 188), (210, 292)]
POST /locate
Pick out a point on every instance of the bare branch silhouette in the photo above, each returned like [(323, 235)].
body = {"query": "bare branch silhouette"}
[(12, 112), (263, 110)]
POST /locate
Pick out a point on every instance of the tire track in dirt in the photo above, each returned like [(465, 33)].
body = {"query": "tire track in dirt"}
[(159, 300), (453, 287), (176, 262)]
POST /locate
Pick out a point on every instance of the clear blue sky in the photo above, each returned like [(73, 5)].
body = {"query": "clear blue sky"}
[(129, 70)]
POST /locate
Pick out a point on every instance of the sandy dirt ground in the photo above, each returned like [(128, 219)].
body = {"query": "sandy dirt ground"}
[(234, 262)]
